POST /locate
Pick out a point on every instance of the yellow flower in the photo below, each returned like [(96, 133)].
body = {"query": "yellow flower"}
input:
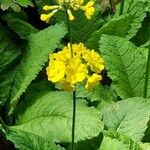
[(67, 86), (46, 17), (71, 17), (92, 81), (56, 71), (89, 9), (94, 60), (47, 8), (68, 71), (75, 71), (69, 5)]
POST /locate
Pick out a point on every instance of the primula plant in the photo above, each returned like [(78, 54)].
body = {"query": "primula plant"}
[(75, 75)]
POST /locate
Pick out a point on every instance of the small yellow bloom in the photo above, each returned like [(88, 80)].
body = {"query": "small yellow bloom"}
[(92, 81), (56, 71), (47, 8), (71, 17), (89, 9), (46, 17)]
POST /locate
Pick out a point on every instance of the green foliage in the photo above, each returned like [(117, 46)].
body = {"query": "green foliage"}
[(14, 4), (9, 52), (123, 117), (125, 64), (53, 118), (36, 54), (118, 141), (123, 26), (27, 141), (35, 115), (22, 28)]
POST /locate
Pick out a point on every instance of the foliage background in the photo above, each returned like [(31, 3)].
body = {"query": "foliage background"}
[(36, 115)]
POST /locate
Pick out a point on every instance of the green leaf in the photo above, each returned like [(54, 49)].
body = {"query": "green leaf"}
[(22, 28), (125, 64), (49, 114), (118, 141), (145, 146), (36, 54), (143, 35), (9, 52), (124, 116), (82, 28), (28, 141), (99, 93), (5, 4), (123, 26), (24, 3)]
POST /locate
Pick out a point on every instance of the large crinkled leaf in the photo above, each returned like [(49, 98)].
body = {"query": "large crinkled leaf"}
[(5, 4), (49, 114), (81, 27), (36, 54), (28, 141), (24, 3), (123, 26), (143, 35), (99, 93), (9, 52), (129, 117), (118, 141), (125, 64), (22, 28)]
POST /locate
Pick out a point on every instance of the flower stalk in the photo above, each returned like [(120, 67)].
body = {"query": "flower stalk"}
[(74, 92), (147, 74)]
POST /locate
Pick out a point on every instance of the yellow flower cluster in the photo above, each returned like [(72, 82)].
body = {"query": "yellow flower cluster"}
[(85, 65), (69, 5)]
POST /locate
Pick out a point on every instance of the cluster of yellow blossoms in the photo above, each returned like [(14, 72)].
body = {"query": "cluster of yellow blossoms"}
[(69, 5), (85, 65)]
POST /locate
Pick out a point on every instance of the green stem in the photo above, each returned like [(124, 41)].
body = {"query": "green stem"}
[(74, 92), (147, 74), (3, 124), (70, 34), (73, 119), (121, 7)]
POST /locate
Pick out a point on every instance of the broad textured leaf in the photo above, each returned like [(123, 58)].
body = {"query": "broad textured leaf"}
[(126, 65), (118, 142), (28, 141), (24, 3), (82, 27), (22, 28), (36, 54), (129, 117), (9, 52), (5, 4), (99, 93), (49, 114), (143, 35), (123, 26)]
